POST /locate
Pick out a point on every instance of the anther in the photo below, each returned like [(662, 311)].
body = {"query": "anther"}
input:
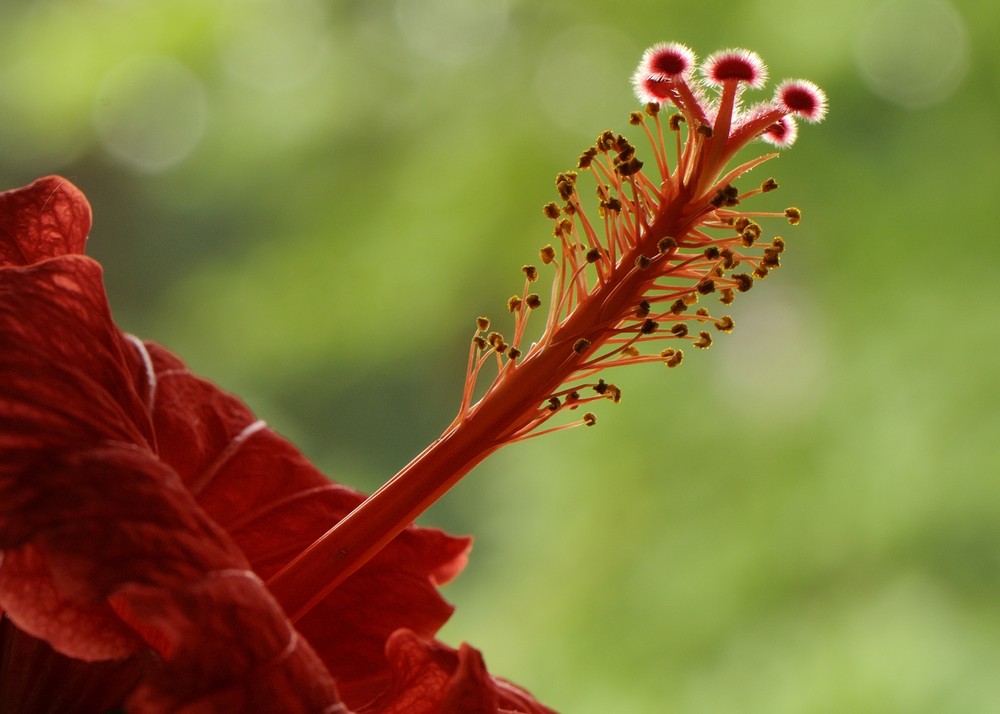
[(565, 183), (533, 301), (513, 353), (704, 341), (649, 326), (625, 153), (586, 158), (606, 389), (793, 215), (589, 419), (593, 255), (547, 254), (769, 185), (612, 204), (728, 196), (744, 281), (554, 404), (635, 118), (706, 287), (606, 141), (630, 167), (729, 260), (551, 210), (483, 323), (678, 307), (642, 262), (514, 303), (672, 358), (666, 244), (724, 324), (563, 228), (643, 309), (727, 296), (679, 330), (530, 272), (675, 122), (581, 345), (624, 147)]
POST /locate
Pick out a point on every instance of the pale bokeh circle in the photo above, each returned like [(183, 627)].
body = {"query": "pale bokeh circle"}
[(913, 52), (150, 112)]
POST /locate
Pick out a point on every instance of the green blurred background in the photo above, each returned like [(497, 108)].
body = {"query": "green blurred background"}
[(312, 201)]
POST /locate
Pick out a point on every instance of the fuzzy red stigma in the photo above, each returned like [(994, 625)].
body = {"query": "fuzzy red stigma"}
[(742, 65), (651, 88), (668, 60), (802, 98), (782, 133)]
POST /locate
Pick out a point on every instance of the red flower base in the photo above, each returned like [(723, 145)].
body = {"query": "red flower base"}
[(142, 509)]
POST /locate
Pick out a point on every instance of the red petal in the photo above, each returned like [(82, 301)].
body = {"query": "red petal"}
[(88, 509), (274, 503), (62, 361), (130, 491), (272, 670), (90, 633), (47, 219), (432, 678), (29, 669)]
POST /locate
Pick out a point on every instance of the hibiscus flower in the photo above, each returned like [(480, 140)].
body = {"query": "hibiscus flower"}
[(142, 510), (163, 550)]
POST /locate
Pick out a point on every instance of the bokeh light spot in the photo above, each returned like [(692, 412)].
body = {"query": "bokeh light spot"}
[(150, 112), (913, 52)]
